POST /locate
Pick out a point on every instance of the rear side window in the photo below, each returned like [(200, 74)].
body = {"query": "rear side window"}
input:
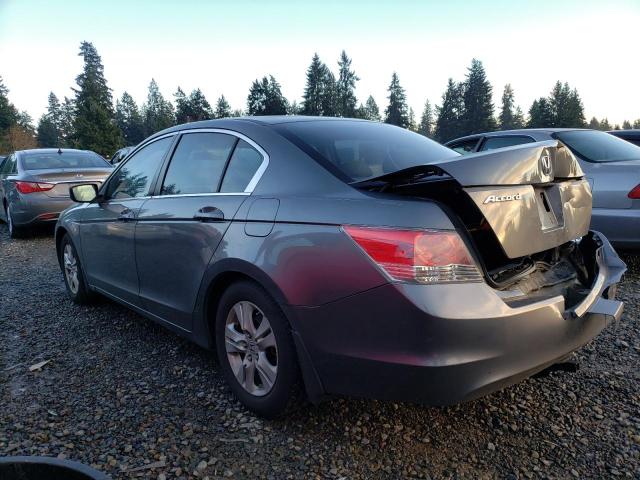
[(492, 143), (243, 165), (198, 163), (134, 178), (594, 146), (356, 150), (464, 147)]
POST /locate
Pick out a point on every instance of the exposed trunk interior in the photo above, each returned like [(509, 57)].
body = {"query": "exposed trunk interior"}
[(523, 230)]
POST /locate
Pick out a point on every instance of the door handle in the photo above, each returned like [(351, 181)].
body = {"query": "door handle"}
[(209, 214), (127, 215)]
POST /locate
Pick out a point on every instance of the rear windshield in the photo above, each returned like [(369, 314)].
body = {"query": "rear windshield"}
[(356, 151), (44, 161), (596, 146)]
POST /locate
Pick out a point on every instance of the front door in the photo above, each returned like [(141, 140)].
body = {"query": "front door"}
[(180, 228), (108, 225)]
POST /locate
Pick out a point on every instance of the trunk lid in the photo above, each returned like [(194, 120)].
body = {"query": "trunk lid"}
[(533, 197), (64, 179)]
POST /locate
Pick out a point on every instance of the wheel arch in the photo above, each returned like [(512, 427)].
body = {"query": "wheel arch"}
[(219, 277)]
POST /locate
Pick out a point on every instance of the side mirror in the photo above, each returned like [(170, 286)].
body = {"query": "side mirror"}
[(83, 193)]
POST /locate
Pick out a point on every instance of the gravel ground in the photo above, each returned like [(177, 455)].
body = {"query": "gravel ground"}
[(126, 396)]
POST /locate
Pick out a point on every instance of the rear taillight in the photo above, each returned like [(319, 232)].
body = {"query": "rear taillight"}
[(33, 187), (423, 256), (635, 193)]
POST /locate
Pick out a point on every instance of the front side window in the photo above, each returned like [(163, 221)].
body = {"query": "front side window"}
[(243, 165), (492, 143), (134, 178), (198, 163), (9, 167), (596, 146), (6, 165)]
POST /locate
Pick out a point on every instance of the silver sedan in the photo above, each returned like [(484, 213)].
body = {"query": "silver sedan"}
[(34, 184), (611, 165)]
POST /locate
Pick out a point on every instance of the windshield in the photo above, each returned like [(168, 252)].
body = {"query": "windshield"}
[(595, 146), (356, 151), (53, 160)]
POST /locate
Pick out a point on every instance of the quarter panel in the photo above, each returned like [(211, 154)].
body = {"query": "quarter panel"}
[(309, 264)]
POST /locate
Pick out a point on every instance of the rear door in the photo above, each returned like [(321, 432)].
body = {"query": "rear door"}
[(205, 182), (108, 225)]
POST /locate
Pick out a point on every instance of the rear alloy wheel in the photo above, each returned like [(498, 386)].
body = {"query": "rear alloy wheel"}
[(14, 231), (255, 349), (73, 274)]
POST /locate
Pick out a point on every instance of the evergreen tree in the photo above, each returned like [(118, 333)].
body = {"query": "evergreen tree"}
[(518, 118), (616, 127), (594, 123), (566, 106), (636, 123), (49, 131), (314, 88), (237, 113), (200, 107), (223, 109), (129, 120), (329, 104), (369, 111), (413, 126), (540, 114), (8, 116), (605, 125), (510, 117), (157, 113), (449, 123), (426, 121), (265, 98), (397, 112), (94, 127), (68, 115), (320, 91), (626, 125), (345, 88), (478, 104), (183, 107), (294, 109)]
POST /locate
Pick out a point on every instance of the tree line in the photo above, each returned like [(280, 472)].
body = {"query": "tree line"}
[(90, 119)]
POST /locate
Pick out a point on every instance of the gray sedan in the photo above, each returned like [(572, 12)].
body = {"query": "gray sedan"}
[(34, 184), (611, 165), (346, 257)]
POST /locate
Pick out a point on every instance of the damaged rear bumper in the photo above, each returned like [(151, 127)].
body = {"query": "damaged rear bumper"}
[(444, 344)]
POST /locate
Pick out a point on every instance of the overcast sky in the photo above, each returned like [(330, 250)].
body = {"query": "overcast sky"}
[(222, 46)]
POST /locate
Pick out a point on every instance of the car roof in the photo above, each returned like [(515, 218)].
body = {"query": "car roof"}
[(521, 131), (253, 120)]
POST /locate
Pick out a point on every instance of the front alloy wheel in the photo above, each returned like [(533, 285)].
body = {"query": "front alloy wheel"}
[(71, 267), (70, 264)]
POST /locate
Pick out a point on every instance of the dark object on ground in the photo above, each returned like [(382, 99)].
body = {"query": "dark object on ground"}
[(46, 468)]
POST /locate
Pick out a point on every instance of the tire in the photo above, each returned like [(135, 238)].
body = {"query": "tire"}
[(255, 348), (74, 277), (14, 231)]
